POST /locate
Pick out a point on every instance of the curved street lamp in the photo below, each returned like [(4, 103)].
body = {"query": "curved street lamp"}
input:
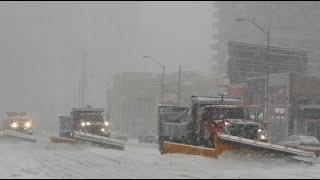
[(163, 71), (267, 79)]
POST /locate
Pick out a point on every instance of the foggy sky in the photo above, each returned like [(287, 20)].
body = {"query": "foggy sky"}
[(40, 46)]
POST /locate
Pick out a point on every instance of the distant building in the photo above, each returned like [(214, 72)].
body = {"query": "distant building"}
[(136, 95), (293, 24), (294, 104), (250, 60)]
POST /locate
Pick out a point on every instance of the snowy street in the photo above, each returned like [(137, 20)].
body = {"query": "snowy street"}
[(46, 160)]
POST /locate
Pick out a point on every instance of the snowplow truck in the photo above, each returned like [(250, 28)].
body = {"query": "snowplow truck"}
[(87, 124), (19, 125), (196, 124), (210, 125)]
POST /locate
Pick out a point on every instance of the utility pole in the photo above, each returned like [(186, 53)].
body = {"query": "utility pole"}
[(267, 87), (179, 85), (79, 93), (266, 95), (162, 83), (84, 77), (107, 99)]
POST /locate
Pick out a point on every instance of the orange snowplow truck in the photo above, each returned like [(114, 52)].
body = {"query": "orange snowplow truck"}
[(210, 126), (205, 116)]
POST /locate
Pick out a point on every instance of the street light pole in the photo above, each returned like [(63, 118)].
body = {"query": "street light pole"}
[(163, 72), (162, 84), (266, 97), (267, 84)]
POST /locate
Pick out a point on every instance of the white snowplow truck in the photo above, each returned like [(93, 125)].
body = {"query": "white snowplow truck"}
[(19, 125), (87, 124)]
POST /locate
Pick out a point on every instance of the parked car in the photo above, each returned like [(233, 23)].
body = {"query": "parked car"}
[(149, 137), (119, 135), (308, 143)]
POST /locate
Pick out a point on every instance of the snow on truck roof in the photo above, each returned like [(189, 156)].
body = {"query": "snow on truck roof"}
[(17, 113), (223, 106), (205, 98), (215, 100), (89, 109)]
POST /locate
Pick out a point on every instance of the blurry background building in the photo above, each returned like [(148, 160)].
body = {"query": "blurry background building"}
[(136, 95), (293, 24)]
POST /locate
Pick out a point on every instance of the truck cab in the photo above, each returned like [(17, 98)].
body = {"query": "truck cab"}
[(19, 122), (91, 120), (65, 126)]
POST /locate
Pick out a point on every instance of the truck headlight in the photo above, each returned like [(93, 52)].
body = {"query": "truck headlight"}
[(83, 124), (106, 123), (102, 129), (88, 123), (14, 125), (263, 137), (27, 124)]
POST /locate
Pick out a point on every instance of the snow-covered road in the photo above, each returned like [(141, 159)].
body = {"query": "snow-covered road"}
[(46, 160)]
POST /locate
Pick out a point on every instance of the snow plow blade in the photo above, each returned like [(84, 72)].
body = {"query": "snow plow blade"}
[(170, 147), (19, 135), (261, 147), (106, 142), (267, 149), (56, 139), (236, 144)]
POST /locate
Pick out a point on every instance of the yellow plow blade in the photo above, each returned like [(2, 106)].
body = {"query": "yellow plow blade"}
[(170, 147), (62, 140), (241, 145)]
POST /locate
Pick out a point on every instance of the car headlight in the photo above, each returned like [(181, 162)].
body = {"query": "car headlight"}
[(263, 137), (83, 124), (88, 123), (14, 125), (106, 123), (226, 123), (102, 129), (27, 124), (259, 130)]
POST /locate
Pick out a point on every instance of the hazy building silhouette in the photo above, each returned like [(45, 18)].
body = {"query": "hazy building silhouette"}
[(293, 24)]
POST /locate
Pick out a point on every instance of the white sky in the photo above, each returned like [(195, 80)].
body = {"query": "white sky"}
[(40, 46)]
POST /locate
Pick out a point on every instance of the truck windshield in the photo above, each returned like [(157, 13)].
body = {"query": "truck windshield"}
[(65, 124), (91, 117), (228, 113)]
